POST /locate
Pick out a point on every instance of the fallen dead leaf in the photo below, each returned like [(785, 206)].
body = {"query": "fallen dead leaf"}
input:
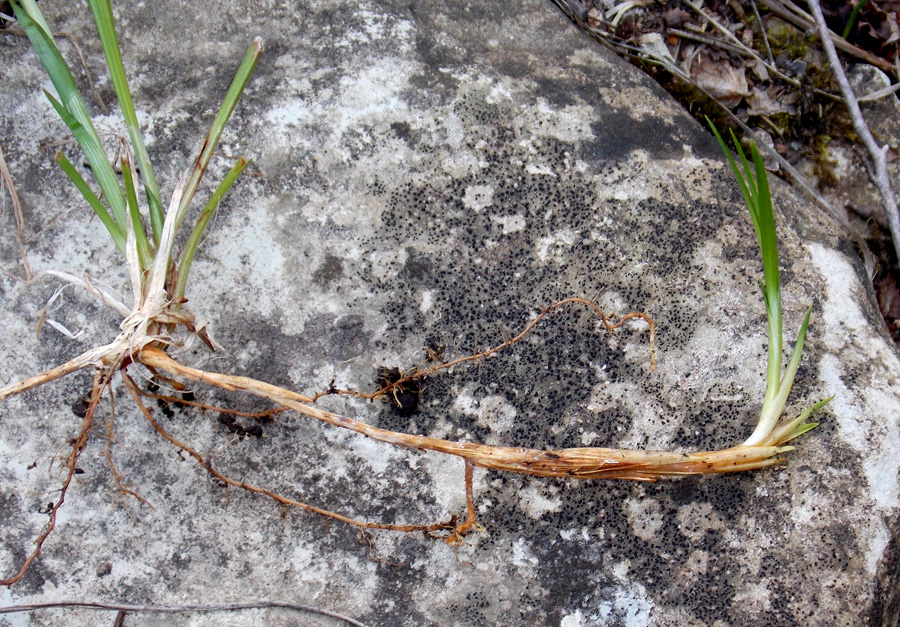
[(723, 81), (761, 102)]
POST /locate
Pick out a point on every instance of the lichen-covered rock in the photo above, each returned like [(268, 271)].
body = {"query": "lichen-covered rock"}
[(434, 174)]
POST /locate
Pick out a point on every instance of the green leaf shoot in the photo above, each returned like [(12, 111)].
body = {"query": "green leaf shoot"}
[(218, 125), (103, 16), (70, 102), (123, 218), (754, 184), (190, 249), (145, 254)]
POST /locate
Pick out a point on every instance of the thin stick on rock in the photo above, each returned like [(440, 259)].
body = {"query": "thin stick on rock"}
[(178, 609), (17, 213), (878, 153)]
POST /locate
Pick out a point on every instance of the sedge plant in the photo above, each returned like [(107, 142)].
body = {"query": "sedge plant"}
[(145, 237), (754, 184), (156, 322)]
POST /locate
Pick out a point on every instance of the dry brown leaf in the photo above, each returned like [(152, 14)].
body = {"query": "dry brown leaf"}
[(762, 102), (723, 81)]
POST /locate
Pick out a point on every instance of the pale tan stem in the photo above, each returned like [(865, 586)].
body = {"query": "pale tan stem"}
[(579, 463), (93, 357)]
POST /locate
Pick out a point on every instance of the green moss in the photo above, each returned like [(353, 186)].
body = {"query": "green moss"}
[(785, 39), (823, 164)]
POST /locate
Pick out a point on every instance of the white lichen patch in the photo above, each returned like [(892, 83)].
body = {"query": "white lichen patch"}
[(630, 606), (638, 103), (576, 619), (842, 316), (696, 520), (493, 412), (387, 263), (245, 246), (377, 26), (857, 429), (534, 502), (712, 348), (689, 187), (373, 93), (843, 322), (370, 97), (586, 57), (496, 414), (510, 224), (379, 456), (752, 597), (645, 516), (695, 567), (522, 555), (477, 197), (448, 480), (292, 113), (556, 245), (570, 124), (426, 301)]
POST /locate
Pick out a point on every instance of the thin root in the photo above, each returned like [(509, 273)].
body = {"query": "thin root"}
[(470, 523), (610, 323), (108, 452), (101, 379), (174, 400), (207, 465)]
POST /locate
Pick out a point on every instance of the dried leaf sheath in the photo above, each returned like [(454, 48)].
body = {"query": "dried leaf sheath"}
[(579, 463)]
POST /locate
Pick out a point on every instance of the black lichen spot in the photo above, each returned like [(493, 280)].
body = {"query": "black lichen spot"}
[(417, 268), (404, 398), (403, 130), (254, 431), (331, 270), (188, 396)]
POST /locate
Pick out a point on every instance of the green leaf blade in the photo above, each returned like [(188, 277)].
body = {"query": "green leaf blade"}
[(114, 229), (190, 249), (103, 16), (32, 21), (145, 255), (242, 76)]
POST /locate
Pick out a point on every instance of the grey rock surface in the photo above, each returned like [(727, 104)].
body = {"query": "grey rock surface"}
[(437, 173)]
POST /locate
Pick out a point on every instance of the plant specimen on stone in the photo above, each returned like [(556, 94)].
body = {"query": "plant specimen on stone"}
[(156, 324)]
